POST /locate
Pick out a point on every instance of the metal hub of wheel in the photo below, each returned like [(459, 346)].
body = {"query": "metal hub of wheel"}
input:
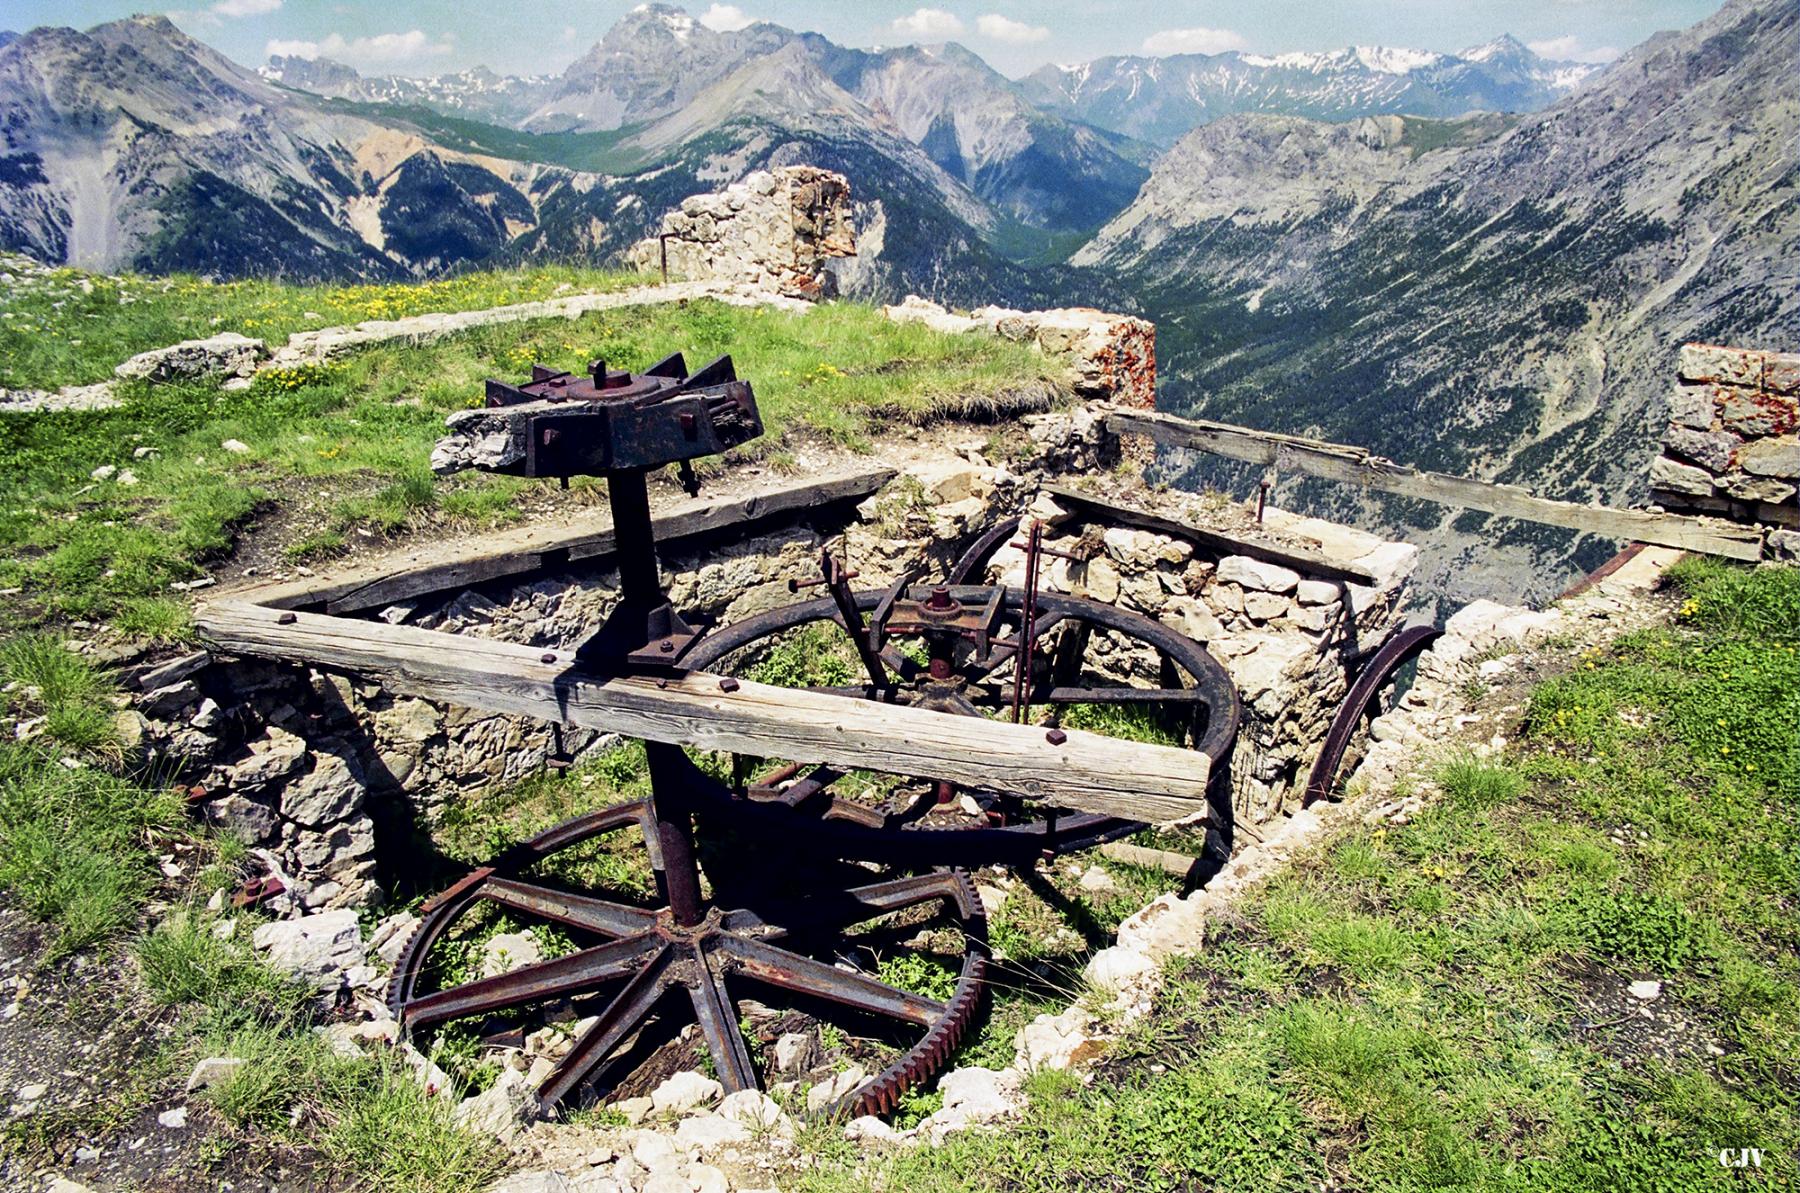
[(639, 966)]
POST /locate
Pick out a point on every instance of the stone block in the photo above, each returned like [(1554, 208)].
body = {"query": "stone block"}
[(1756, 488), (1318, 592), (1753, 414), (1670, 476), (1256, 575), (1710, 449), (332, 790), (1778, 458), (1713, 362), (1691, 406), (1265, 606), (1781, 373), (317, 949), (246, 819)]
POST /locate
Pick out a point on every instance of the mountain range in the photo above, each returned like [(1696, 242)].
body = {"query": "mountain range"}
[(1480, 262), (1493, 297)]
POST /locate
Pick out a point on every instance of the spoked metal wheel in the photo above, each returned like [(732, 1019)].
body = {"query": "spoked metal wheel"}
[(964, 649), (640, 969)]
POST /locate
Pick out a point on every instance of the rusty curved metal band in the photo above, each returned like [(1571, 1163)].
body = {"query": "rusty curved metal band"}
[(968, 568), (1401, 646)]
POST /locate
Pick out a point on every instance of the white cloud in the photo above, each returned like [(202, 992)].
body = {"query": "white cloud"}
[(244, 8), (726, 18), (1003, 29), (1194, 41), (930, 24), (383, 49), (1568, 49)]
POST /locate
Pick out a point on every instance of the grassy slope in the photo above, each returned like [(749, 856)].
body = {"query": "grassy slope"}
[(65, 327), (343, 449), (1441, 1005)]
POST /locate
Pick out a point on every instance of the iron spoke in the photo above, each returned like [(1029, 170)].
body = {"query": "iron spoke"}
[(577, 911), (1121, 696), (975, 671), (791, 971), (845, 909), (718, 1020), (621, 1015), (532, 983)]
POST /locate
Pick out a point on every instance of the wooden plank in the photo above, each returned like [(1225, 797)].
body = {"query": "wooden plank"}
[(1301, 559), (1087, 772), (1357, 466), (438, 568)]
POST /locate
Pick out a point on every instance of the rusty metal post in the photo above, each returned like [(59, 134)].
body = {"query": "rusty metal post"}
[(675, 831)]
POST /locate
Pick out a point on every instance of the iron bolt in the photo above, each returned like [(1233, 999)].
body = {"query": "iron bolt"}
[(549, 656), (1056, 737), (667, 646), (728, 684), (289, 617)]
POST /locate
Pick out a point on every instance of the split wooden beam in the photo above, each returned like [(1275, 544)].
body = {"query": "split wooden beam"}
[(1084, 772), (439, 568), (1357, 466), (1302, 559)]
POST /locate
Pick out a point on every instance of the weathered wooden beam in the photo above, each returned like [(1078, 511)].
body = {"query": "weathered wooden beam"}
[(441, 567), (1301, 559), (1087, 772), (1357, 466)]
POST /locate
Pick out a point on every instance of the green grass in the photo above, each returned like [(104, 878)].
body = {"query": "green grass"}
[(78, 851), (339, 453), (70, 328), (71, 832), (1442, 1004)]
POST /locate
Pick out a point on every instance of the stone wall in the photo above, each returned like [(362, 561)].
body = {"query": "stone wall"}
[(775, 230), (1110, 357), (1287, 638), (1732, 447)]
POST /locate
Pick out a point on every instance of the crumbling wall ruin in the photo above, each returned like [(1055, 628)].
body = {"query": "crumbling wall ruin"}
[(1732, 446), (776, 230), (1109, 357)]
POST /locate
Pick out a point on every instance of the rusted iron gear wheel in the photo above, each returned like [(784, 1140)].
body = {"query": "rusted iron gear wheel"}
[(643, 960), (1212, 699)]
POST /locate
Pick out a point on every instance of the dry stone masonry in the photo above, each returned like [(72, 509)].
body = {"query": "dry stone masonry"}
[(1110, 357), (1289, 640), (776, 230), (1732, 447)]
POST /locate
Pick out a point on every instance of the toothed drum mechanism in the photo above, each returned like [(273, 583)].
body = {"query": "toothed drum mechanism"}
[(744, 892)]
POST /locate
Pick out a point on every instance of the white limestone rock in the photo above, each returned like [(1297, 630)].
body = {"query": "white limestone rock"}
[(508, 951), (1257, 576), (1056, 1041), (318, 949), (684, 1092), (502, 1109)]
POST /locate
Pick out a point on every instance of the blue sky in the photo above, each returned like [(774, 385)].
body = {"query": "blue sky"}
[(540, 36)]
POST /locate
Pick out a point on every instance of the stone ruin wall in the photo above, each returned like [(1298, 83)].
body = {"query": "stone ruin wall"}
[(777, 229), (1732, 446), (1109, 357)]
